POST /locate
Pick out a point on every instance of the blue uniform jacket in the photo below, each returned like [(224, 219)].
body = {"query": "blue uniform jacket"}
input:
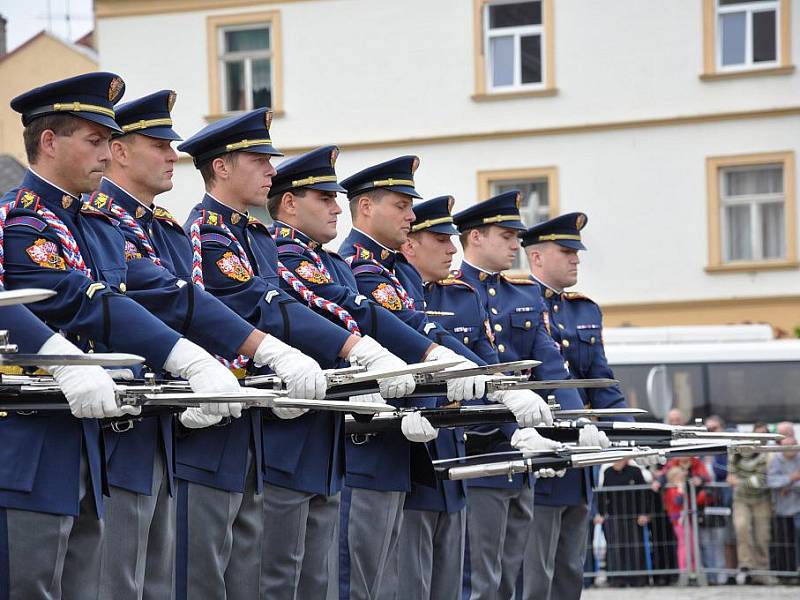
[(469, 324), (389, 465), (167, 291), (576, 325), (305, 453), (340, 288), (519, 323), (94, 312)]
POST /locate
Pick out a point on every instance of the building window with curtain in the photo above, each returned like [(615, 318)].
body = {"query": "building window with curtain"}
[(747, 33), (246, 66), (753, 216), (752, 213)]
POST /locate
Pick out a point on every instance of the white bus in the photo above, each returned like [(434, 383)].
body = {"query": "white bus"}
[(739, 373)]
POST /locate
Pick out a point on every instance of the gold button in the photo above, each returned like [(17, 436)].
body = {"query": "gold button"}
[(466, 340), (498, 327), (592, 340), (565, 343), (123, 288), (560, 326), (5, 414), (494, 310), (555, 308), (527, 324), (492, 291), (501, 348)]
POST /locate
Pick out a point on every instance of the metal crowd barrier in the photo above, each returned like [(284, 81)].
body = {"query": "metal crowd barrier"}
[(638, 543)]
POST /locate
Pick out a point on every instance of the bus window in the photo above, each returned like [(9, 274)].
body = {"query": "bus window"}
[(745, 393), (660, 388)]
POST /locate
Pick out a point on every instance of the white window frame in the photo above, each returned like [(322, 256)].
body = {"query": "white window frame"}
[(518, 32), (247, 57), (754, 201), (749, 8)]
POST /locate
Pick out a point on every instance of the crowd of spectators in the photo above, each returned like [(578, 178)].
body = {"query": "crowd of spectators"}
[(747, 516)]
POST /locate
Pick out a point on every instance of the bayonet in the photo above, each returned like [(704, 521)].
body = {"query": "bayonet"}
[(24, 296)]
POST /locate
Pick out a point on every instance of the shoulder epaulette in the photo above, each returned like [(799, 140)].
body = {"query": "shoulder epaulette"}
[(363, 253), (209, 217), (100, 201), (162, 214), (517, 280), (576, 296), (254, 222), (279, 233), (27, 199), (455, 281), (91, 210)]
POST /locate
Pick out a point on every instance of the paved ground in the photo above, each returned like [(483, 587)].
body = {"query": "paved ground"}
[(738, 592)]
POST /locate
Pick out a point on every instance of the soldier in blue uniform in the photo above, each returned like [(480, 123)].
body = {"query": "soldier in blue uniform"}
[(303, 204), (159, 259), (553, 563), (380, 205), (53, 240), (432, 537), (500, 512), (238, 261), (46, 519)]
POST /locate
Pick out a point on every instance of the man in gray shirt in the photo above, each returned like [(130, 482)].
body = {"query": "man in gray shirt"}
[(783, 477)]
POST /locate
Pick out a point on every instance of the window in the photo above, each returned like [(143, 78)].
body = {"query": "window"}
[(539, 196), (244, 65), (752, 210), (747, 32), (743, 36), (513, 47)]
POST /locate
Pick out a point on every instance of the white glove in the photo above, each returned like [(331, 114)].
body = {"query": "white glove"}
[(650, 461), (463, 388), (195, 418), (205, 374), (590, 435), (286, 412), (529, 440), (527, 406), (417, 428), (545, 473), (121, 374), (370, 354), (301, 374), (89, 390)]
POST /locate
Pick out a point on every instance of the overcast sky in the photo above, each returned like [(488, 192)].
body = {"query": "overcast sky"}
[(27, 17)]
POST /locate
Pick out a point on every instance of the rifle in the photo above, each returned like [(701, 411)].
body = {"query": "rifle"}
[(568, 457), (29, 393), (464, 416)]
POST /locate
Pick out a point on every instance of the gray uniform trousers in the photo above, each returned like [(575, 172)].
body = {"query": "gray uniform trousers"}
[(373, 531), (498, 525), (430, 555), (299, 530), (138, 550), (225, 536), (553, 564), (55, 556)]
